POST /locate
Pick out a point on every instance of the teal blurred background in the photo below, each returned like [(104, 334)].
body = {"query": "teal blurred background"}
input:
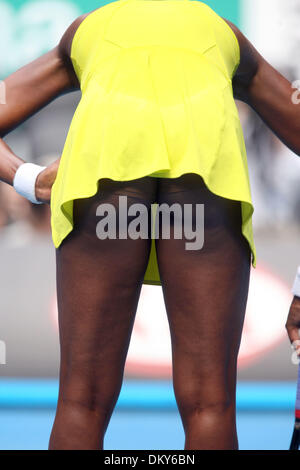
[(30, 28)]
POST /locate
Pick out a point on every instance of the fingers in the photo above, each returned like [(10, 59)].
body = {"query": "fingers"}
[(296, 345), (293, 324), (53, 168), (45, 182)]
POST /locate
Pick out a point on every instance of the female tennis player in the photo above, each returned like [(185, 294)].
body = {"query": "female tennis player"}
[(157, 123)]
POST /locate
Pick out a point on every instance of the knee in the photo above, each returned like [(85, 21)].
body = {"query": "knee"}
[(78, 425), (81, 401), (83, 414), (211, 407)]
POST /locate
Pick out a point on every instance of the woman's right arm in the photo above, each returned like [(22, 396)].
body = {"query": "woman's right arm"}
[(30, 89)]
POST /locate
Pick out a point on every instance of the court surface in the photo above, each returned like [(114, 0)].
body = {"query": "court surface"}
[(146, 416)]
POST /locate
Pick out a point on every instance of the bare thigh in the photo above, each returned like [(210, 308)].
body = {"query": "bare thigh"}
[(98, 285), (205, 293)]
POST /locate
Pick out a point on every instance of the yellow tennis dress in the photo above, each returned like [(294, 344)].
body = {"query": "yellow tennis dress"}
[(157, 100)]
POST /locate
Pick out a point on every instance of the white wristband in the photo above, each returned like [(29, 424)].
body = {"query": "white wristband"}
[(296, 286), (25, 179)]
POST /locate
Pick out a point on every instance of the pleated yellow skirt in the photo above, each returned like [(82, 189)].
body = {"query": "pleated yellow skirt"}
[(157, 100)]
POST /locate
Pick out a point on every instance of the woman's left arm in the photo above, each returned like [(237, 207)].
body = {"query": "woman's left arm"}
[(26, 92), (270, 94), (267, 92)]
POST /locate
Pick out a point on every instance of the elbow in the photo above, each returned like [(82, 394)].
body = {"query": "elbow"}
[(297, 146), (5, 127), (3, 132), (294, 147), (295, 139), (3, 121)]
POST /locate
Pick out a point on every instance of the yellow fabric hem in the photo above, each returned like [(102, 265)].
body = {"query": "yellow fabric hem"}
[(152, 276)]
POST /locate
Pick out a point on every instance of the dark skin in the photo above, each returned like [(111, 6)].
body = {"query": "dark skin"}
[(80, 421), (29, 90)]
